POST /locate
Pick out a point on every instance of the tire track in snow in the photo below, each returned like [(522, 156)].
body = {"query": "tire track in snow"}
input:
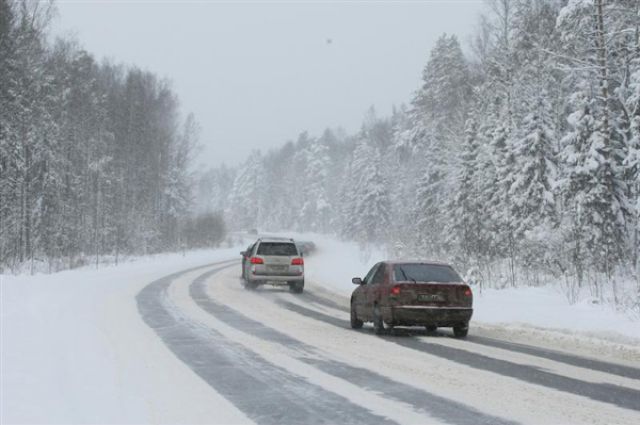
[(608, 393), (448, 411), (313, 298), (557, 356), (266, 393)]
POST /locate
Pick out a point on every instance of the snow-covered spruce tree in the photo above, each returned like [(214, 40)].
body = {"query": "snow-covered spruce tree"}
[(366, 208), (534, 210), (339, 152), (280, 186), (532, 192), (351, 188), (590, 33), (514, 33), (632, 166), (500, 204), (592, 194), (430, 212), (445, 85), (212, 189), (245, 200), (372, 208), (487, 194), (316, 209), (178, 195), (437, 116), (408, 154), (405, 165), (303, 212), (466, 219)]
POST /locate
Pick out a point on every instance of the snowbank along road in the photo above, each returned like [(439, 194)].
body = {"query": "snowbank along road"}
[(281, 358)]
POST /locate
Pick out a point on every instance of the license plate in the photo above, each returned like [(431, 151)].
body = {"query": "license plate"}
[(278, 268), (430, 297)]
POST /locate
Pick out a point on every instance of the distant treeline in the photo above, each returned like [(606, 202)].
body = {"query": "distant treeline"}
[(519, 162), (94, 157)]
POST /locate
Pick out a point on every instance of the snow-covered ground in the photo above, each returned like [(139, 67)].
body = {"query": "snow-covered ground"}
[(75, 350)]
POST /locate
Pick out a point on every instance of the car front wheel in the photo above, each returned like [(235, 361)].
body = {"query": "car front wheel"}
[(355, 322)]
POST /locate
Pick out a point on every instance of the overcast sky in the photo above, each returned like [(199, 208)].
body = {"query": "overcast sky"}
[(257, 74)]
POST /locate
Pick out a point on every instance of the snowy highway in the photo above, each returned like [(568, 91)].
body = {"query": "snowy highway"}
[(280, 358)]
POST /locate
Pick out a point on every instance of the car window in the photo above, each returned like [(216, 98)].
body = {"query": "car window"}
[(379, 276), (420, 273), (369, 275), (277, 248)]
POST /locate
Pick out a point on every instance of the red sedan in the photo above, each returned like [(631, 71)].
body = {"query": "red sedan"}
[(396, 293)]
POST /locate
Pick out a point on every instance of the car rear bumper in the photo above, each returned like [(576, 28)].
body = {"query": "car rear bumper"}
[(282, 280), (425, 315)]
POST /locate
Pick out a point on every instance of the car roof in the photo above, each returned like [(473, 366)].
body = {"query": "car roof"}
[(276, 239), (427, 262)]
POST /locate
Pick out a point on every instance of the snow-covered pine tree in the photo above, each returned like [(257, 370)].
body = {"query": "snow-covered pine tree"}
[(430, 204), (245, 200), (589, 34), (372, 207), (351, 188), (178, 192), (316, 210), (591, 193), (466, 221), (532, 191), (443, 97), (437, 117), (632, 165)]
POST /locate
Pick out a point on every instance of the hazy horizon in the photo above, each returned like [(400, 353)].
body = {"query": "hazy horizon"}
[(256, 75)]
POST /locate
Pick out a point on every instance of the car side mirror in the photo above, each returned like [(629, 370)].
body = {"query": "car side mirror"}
[(356, 281), (243, 253)]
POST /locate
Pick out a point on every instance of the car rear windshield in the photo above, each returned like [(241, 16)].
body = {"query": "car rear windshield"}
[(277, 248), (422, 273)]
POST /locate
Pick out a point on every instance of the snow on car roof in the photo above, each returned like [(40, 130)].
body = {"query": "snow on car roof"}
[(429, 262), (276, 239)]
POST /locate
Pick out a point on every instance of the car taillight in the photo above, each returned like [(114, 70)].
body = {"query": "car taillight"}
[(256, 260), (395, 290), (297, 262), (467, 292)]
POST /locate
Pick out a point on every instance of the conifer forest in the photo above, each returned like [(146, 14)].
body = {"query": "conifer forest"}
[(517, 157)]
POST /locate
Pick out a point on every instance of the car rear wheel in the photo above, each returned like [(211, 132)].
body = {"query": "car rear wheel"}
[(251, 285), (355, 322), (378, 324), (296, 287), (460, 331)]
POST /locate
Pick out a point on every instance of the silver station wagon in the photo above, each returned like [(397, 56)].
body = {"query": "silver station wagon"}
[(274, 261)]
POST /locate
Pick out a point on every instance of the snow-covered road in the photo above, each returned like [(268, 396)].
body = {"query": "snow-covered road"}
[(281, 358), (176, 339)]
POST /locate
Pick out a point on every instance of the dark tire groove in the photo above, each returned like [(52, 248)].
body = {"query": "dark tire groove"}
[(599, 365)]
